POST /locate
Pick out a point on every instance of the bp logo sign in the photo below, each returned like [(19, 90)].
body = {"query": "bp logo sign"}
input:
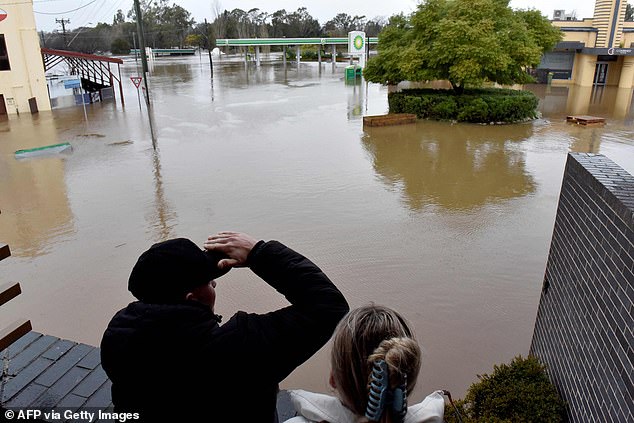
[(356, 42)]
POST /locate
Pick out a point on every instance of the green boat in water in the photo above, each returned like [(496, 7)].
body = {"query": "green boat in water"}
[(43, 151)]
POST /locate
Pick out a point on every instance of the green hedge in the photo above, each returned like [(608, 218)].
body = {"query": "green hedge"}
[(473, 105), (519, 392), (309, 53)]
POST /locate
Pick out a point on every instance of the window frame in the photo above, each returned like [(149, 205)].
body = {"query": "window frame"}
[(5, 63)]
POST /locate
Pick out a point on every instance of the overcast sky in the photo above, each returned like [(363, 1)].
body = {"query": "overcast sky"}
[(323, 10)]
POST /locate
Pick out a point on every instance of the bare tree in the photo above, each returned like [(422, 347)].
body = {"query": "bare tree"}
[(220, 19)]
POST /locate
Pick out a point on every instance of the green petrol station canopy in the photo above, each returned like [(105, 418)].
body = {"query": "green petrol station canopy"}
[(286, 41)]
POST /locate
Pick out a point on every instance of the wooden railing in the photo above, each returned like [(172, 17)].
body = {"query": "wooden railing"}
[(8, 291)]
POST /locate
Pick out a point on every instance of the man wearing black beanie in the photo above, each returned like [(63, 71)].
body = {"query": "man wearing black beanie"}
[(169, 358)]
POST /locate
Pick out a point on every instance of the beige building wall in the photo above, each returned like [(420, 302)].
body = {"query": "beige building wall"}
[(583, 70), (628, 34), (609, 15), (26, 78), (584, 34), (588, 37), (614, 72), (626, 79)]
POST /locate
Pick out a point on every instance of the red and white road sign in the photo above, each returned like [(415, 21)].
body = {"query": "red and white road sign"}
[(136, 80), (3, 15)]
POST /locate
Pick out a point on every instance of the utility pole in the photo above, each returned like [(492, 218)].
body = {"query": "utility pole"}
[(43, 39), (63, 22), (139, 26), (211, 65), (136, 52)]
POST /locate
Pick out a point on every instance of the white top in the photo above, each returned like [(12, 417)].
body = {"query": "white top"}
[(314, 407)]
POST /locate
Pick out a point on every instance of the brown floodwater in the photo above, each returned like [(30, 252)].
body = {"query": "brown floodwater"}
[(448, 223)]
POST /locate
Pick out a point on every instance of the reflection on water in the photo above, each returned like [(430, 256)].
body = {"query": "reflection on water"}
[(161, 218), (33, 195), (449, 223), (612, 103), (589, 143), (175, 71), (608, 102), (452, 166)]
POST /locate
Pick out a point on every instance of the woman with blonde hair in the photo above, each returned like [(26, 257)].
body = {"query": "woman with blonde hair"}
[(375, 362)]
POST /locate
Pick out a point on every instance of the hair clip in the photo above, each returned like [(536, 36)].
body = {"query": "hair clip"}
[(399, 401), (377, 395)]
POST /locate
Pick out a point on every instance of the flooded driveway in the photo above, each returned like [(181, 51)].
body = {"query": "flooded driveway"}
[(448, 223)]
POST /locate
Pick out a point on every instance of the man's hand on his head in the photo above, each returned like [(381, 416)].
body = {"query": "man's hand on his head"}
[(236, 245)]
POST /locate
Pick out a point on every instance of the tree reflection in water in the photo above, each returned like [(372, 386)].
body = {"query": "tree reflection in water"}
[(453, 166)]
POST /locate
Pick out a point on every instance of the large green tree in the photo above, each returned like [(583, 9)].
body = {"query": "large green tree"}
[(279, 23), (340, 25), (465, 42), (176, 22), (394, 39), (302, 24), (374, 26), (165, 26)]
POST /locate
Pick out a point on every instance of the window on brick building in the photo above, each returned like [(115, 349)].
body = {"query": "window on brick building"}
[(4, 55)]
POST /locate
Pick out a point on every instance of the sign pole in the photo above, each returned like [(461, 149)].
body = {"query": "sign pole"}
[(83, 102), (136, 52), (74, 84), (139, 23), (136, 80)]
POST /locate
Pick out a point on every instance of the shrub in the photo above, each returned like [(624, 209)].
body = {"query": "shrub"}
[(309, 53), (476, 110), (519, 392), (120, 46), (446, 109), (475, 105), (416, 105)]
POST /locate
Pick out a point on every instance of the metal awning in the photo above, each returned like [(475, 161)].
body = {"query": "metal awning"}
[(88, 66)]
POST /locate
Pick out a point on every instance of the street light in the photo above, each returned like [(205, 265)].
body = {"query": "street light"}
[(79, 32)]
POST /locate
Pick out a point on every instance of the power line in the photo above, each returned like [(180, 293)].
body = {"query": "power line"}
[(81, 3), (83, 36), (63, 13), (28, 2), (85, 14), (86, 30)]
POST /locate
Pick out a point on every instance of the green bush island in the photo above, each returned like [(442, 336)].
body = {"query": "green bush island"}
[(519, 392), (473, 105)]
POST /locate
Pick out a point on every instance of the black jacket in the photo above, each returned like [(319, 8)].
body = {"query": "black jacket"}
[(173, 362)]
